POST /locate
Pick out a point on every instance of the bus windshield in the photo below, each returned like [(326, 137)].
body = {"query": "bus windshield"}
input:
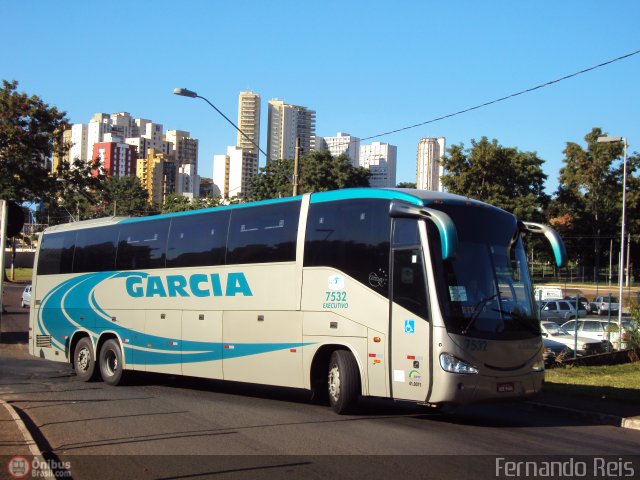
[(485, 291)]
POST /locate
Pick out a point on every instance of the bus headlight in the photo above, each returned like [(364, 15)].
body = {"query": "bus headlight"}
[(449, 363), (538, 364)]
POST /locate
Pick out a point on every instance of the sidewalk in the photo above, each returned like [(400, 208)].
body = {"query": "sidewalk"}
[(15, 439)]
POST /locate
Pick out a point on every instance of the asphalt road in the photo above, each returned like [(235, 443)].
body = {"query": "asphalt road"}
[(170, 427)]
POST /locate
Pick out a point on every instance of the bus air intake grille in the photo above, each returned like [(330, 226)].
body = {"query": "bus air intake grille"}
[(504, 369), (43, 340)]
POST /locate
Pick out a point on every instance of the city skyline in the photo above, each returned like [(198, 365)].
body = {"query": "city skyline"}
[(357, 80)]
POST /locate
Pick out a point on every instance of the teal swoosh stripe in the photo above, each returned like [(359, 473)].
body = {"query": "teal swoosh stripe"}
[(75, 298)]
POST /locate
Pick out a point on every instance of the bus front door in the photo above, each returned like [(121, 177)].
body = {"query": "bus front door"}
[(410, 328)]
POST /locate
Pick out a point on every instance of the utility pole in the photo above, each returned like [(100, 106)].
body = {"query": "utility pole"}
[(3, 240), (296, 167)]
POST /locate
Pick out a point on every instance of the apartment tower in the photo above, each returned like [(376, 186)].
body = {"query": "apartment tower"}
[(429, 166)]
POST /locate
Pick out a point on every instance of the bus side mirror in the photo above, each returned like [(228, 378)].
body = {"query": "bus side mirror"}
[(559, 250), (442, 221)]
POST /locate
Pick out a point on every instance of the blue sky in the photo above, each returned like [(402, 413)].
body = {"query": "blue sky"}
[(366, 67)]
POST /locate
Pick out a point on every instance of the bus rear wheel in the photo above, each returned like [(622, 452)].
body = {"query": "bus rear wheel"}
[(343, 381), (84, 362), (111, 362)]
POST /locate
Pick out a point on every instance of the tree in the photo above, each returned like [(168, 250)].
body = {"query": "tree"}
[(30, 133), (124, 196), (590, 194), (501, 176), (180, 203), (319, 172), (406, 185), (176, 203)]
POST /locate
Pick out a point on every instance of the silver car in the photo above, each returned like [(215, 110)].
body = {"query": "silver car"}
[(560, 311)]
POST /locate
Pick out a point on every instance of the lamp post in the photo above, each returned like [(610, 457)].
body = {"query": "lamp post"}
[(184, 92), (606, 139)]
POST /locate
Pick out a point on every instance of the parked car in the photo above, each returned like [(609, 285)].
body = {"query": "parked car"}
[(586, 346), (26, 297), (560, 311), (600, 329), (554, 351), (607, 304), (583, 302)]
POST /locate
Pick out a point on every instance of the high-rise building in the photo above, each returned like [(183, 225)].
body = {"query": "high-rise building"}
[(118, 159), (157, 174), (429, 165), (179, 150), (228, 172), (184, 151), (286, 124), (249, 124), (380, 159), (341, 144)]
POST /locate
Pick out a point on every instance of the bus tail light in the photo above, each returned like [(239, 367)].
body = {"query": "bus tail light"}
[(449, 363)]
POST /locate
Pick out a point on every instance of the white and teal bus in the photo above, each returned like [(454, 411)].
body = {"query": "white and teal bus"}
[(404, 294)]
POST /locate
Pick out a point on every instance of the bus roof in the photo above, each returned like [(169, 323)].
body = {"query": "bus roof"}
[(420, 198)]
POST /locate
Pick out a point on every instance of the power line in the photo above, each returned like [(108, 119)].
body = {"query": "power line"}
[(501, 99)]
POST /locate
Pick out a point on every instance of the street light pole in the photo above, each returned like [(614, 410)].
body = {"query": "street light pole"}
[(185, 92), (624, 210)]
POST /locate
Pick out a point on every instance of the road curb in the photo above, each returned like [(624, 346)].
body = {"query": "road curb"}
[(606, 419), (29, 441)]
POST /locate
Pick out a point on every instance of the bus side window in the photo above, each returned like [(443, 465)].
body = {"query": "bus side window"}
[(198, 240), (95, 250), (352, 237), (263, 234), (409, 289), (142, 245), (56, 253)]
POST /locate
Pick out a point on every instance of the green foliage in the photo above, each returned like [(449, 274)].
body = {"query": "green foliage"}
[(180, 203), (406, 185), (588, 202), (123, 196), (319, 172), (502, 176), (30, 132)]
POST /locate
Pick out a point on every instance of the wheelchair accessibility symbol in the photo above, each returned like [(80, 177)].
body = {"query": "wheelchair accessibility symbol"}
[(409, 326)]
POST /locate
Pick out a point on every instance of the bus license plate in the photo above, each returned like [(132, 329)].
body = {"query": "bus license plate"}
[(505, 387)]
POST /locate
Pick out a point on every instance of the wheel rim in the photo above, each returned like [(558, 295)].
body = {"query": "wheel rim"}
[(110, 363), (84, 359), (334, 382)]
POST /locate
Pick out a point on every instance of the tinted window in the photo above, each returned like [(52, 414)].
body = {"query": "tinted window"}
[(95, 250), (353, 237), (56, 253), (142, 245), (409, 288), (266, 233), (405, 232), (198, 240)]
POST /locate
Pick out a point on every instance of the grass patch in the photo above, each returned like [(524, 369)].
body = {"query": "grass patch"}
[(20, 274), (616, 382)]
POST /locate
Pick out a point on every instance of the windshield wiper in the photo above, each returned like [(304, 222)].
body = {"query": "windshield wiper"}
[(477, 309), (522, 319)]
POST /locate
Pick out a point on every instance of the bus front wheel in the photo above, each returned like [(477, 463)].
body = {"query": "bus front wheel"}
[(343, 381), (83, 360), (111, 362)]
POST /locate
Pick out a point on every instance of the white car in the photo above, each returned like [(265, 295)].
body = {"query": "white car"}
[(26, 297), (600, 329), (586, 346)]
